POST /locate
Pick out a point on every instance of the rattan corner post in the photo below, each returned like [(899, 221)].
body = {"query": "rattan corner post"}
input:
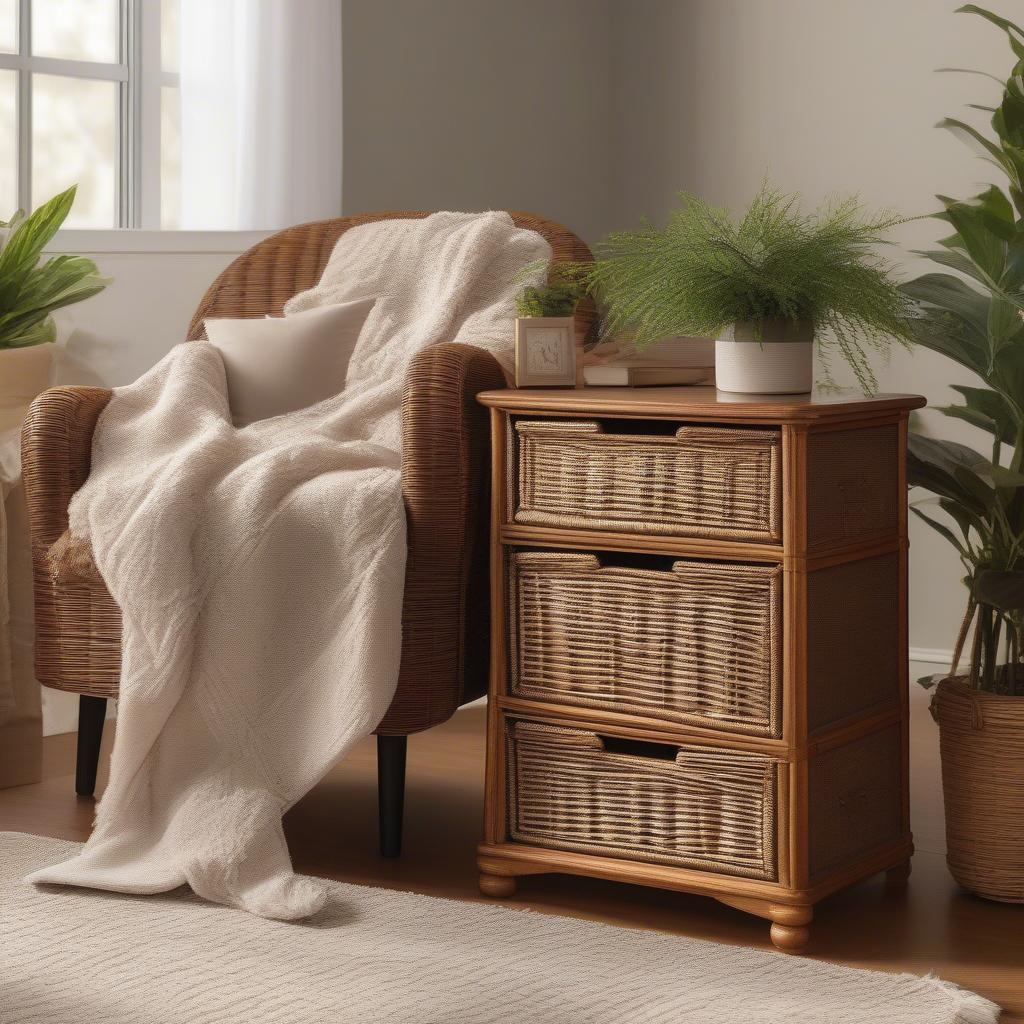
[(699, 637), (445, 460)]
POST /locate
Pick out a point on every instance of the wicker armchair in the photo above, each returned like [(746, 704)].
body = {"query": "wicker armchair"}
[(445, 478)]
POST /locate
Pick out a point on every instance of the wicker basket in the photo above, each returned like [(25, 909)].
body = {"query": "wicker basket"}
[(982, 741), (710, 482), (698, 643), (689, 806)]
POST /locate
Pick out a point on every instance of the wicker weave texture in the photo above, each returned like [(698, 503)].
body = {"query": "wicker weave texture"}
[(710, 482), (855, 800), (697, 644), (701, 808), (982, 740), (853, 617), (77, 624), (853, 485), (445, 480), (265, 277)]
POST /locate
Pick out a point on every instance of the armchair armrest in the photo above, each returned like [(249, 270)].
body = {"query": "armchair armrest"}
[(56, 449), (77, 624), (445, 479)]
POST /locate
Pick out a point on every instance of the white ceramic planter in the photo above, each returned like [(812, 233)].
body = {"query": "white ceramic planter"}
[(780, 363)]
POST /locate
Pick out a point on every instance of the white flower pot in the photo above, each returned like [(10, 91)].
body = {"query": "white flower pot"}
[(780, 363)]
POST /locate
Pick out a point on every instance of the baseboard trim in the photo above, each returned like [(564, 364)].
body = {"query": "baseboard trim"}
[(931, 656)]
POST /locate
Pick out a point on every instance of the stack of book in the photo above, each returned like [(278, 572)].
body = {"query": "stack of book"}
[(671, 361)]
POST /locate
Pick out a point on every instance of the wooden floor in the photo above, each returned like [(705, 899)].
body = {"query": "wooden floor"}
[(933, 927)]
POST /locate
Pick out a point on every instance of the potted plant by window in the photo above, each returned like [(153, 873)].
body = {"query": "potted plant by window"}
[(30, 292), (975, 319), (767, 285)]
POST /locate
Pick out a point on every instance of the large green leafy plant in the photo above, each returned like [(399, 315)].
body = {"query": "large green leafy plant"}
[(706, 270), (974, 317), (30, 291)]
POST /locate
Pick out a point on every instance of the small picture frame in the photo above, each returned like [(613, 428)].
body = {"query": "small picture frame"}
[(545, 351)]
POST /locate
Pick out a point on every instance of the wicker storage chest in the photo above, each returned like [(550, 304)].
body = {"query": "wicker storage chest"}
[(699, 644)]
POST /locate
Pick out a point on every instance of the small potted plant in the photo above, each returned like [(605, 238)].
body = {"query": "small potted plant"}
[(975, 319), (546, 345), (30, 292), (767, 286)]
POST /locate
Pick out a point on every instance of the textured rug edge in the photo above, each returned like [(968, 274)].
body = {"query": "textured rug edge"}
[(965, 1006)]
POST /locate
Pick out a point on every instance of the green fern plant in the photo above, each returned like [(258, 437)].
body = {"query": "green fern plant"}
[(30, 292), (706, 271)]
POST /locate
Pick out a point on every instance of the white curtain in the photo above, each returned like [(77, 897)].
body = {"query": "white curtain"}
[(260, 113)]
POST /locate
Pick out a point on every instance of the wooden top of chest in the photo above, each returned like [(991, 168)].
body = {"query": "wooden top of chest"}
[(700, 403)]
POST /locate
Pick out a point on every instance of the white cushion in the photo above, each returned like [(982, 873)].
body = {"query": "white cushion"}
[(276, 365)]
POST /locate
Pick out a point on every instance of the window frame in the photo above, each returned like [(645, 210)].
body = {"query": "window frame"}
[(140, 77)]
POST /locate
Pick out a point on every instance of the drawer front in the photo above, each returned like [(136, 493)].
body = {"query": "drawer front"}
[(692, 807), (709, 482), (699, 643)]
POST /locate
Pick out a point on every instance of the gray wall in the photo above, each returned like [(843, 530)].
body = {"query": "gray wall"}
[(827, 96), (480, 104)]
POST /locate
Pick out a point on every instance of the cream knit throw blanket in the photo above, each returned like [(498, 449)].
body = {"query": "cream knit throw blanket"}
[(260, 571)]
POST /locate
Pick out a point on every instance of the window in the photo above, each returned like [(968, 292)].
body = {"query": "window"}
[(164, 114), (89, 93)]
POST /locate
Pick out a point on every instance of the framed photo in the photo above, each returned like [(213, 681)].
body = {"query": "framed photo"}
[(545, 351)]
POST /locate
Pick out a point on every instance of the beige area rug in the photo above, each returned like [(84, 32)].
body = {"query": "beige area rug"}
[(69, 956)]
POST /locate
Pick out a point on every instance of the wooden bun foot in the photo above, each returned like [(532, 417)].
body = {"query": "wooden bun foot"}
[(790, 938), (789, 927), (500, 887), (896, 877)]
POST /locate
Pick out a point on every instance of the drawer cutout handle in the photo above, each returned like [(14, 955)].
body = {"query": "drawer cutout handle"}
[(639, 748)]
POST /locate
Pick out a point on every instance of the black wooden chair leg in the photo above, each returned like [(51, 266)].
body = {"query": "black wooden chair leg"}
[(91, 712), (391, 792)]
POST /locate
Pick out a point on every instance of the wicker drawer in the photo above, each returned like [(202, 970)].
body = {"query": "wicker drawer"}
[(696, 643), (692, 807), (708, 482)]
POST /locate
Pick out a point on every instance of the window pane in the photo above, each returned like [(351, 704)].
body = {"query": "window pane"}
[(169, 34), (8, 144), (76, 29), (74, 139), (8, 26), (170, 158)]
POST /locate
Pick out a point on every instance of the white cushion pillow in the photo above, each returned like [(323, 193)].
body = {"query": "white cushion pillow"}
[(276, 365)]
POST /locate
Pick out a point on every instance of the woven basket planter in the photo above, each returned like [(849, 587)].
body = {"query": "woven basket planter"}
[(982, 742)]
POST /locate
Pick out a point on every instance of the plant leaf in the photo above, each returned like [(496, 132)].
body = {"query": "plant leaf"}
[(965, 519), (1009, 27), (1001, 419), (1001, 589), (28, 240), (940, 528), (961, 129), (39, 333), (949, 470), (954, 319)]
